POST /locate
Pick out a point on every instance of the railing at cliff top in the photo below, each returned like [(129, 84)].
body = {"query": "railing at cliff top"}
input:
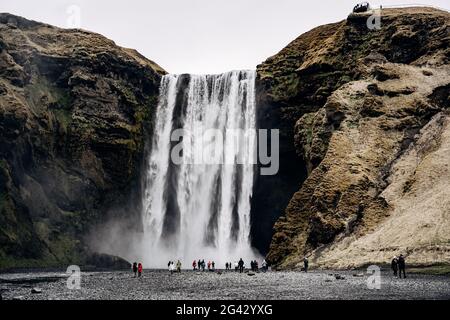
[(405, 5)]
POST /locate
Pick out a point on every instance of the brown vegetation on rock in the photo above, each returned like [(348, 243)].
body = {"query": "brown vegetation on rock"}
[(361, 98), (74, 112)]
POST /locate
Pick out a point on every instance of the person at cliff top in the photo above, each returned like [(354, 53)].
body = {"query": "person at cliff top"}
[(394, 265), (241, 265), (139, 269), (178, 266), (135, 269), (194, 265), (401, 266), (305, 264)]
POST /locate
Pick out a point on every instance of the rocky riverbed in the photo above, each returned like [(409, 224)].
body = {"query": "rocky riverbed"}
[(159, 285)]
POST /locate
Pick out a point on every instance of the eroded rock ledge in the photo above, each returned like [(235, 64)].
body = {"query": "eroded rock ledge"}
[(368, 114)]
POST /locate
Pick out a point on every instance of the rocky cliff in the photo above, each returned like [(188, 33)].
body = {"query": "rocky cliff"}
[(365, 142), (74, 113), (367, 112)]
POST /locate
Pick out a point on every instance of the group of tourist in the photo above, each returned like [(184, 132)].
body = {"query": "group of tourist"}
[(174, 267), (137, 269), (398, 265), (201, 265), (254, 265)]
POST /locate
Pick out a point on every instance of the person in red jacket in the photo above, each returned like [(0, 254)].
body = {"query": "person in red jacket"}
[(139, 269)]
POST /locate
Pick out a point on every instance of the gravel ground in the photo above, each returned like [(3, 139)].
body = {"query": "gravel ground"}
[(160, 285)]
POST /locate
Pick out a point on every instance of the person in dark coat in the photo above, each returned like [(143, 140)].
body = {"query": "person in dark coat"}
[(135, 269), (241, 265), (401, 266), (394, 266), (305, 264)]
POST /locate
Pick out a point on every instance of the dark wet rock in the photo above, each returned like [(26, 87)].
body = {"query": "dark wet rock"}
[(105, 261), (75, 112)]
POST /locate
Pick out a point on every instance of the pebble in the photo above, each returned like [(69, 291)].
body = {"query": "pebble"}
[(159, 285), (36, 290)]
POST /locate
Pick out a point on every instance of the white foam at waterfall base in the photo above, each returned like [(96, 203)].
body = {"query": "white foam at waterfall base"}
[(212, 221)]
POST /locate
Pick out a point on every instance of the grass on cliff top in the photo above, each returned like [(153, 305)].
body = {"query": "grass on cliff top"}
[(439, 269)]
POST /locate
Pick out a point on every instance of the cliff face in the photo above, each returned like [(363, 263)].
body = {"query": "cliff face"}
[(364, 123), (74, 113), (367, 113)]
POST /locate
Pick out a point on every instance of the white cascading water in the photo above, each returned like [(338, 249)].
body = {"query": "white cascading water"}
[(194, 210)]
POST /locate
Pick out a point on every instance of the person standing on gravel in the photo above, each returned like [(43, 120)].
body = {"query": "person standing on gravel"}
[(401, 266), (178, 266), (305, 264), (140, 270), (394, 265), (135, 269), (194, 265), (241, 265)]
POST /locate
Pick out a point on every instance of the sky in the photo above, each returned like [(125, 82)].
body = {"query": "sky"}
[(197, 36)]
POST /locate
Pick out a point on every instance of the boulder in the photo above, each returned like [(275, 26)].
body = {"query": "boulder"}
[(108, 262), (36, 290)]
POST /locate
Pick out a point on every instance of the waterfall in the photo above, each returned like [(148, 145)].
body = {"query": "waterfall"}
[(195, 210)]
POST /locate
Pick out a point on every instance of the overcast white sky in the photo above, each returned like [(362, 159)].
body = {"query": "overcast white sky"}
[(198, 36)]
